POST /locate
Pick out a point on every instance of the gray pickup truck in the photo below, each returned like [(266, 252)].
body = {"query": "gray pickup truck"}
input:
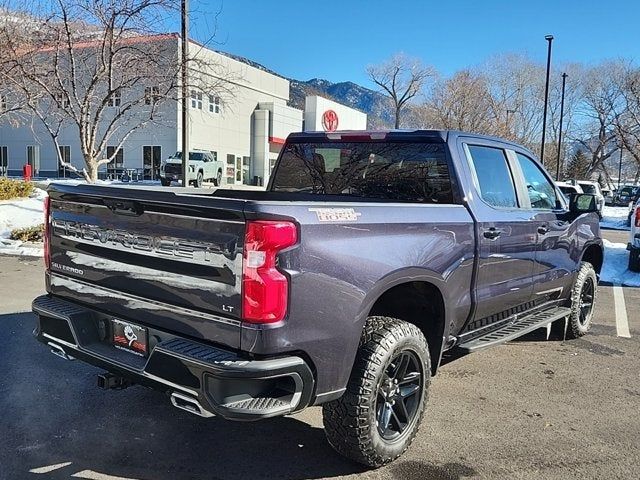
[(370, 257)]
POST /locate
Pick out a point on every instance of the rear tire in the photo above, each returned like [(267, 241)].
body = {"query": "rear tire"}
[(198, 182), (218, 180), (378, 416), (583, 299), (634, 259)]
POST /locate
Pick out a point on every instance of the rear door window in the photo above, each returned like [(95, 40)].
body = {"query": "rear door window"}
[(542, 193), (398, 171), (494, 176)]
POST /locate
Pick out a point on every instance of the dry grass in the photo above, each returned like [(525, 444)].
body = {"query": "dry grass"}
[(10, 189), (28, 234)]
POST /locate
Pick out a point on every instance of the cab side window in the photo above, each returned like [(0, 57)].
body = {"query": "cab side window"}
[(542, 193), (494, 176)]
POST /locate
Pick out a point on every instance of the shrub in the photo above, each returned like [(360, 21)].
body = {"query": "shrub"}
[(28, 234), (14, 189)]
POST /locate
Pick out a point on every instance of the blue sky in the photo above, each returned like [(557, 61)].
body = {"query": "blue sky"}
[(336, 40)]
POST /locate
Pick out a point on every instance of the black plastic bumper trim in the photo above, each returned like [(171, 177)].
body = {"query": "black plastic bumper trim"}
[(177, 364)]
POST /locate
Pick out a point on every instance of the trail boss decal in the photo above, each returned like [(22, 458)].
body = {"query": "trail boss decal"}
[(336, 214)]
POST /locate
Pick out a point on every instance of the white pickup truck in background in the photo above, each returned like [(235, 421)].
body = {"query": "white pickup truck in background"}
[(203, 166)]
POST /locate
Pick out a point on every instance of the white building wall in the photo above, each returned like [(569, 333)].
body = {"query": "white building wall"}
[(348, 118), (250, 125)]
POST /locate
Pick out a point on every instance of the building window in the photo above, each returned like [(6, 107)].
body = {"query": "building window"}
[(214, 104), (151, 95), (115, 168), (196, 99), (231, 168), (3, 103), (151, 160), (65, 155), (33, 158), (115, 99), (4, 161)]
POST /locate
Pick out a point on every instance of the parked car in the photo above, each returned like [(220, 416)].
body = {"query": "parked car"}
[(370, 256), (634, 236), (593, 188), (626, 195), (632, 203), (569, 188), (203, 166)]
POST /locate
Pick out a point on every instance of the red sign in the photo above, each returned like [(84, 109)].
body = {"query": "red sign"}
[(330, 121)]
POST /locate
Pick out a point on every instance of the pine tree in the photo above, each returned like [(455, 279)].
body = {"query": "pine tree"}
[(578, 166)]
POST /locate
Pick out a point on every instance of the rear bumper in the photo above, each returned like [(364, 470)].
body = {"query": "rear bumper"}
[(200, 378)]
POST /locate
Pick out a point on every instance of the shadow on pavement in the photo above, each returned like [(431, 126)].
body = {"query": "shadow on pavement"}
[(413, 470), (56, 414)]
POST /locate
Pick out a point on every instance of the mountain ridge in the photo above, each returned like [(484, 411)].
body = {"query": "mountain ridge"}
[(351, 94)]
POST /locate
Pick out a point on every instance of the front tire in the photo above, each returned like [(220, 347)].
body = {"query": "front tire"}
[(165, 182), (378, 416), (583, 299)]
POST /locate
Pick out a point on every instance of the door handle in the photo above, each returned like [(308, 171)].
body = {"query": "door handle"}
[(492, 233), (543, 229)]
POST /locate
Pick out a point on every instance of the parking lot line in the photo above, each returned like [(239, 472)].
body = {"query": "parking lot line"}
[(49, 468), (91, 475), (622, 323)]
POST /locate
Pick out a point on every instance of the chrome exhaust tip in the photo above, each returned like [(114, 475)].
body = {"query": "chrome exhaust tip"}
[(58, 351), (189, 404)]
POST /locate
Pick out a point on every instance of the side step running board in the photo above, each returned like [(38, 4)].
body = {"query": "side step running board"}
[(515, 329)]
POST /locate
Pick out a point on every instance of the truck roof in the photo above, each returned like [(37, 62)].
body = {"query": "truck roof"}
[(397, 134)]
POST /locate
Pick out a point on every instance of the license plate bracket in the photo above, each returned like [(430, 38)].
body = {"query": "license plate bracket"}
[(129, 337)]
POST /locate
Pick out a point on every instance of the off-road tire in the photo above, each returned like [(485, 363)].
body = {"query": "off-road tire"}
[(634, 260), (578, 325), (198, 181), (350, 422)]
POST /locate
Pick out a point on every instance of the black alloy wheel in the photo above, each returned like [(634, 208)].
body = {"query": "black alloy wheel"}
[(399, 395)]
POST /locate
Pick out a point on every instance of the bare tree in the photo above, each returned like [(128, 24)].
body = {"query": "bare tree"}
[(401, 78), (100, 67), (600, 103), (627, 120), (11, 104), (460, 103)]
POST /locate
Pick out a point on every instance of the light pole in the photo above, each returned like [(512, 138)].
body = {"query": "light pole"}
[(548, 38), (564, 81), (619, 168), (184, 14)]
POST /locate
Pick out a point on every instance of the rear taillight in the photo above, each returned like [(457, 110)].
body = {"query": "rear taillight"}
[(638, 216), (265, 290), (47, 234)]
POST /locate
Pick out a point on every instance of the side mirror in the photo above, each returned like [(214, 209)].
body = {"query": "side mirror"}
[(582, 203)]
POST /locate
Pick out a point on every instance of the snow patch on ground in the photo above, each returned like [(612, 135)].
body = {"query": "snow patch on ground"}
[(614, 218), (21, 213), (616, 261)]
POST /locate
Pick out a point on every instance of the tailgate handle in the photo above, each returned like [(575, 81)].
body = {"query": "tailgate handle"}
[(124, 207)]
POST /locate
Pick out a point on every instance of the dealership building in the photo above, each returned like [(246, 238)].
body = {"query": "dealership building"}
[(246, 130)]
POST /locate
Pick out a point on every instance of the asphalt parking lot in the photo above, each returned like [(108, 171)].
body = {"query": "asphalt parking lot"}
[(530, 409)]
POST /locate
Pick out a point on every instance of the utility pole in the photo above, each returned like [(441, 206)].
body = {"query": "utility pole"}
[(185, 90), (548, 38), (620, 169), (564, 81)]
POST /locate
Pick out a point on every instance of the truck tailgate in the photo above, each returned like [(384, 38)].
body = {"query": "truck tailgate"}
[(156, 257)]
